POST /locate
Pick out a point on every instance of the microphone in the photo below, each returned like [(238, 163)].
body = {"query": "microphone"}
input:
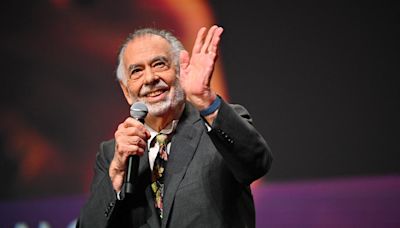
[(138, 111)]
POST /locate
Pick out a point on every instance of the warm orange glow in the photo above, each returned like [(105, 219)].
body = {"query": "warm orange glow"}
[(191, 16), (79, 37), (37, 157)]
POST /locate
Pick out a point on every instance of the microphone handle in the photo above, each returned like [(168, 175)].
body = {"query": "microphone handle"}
[(132, 171)]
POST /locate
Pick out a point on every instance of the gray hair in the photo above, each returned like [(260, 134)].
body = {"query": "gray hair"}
[(176, 48)]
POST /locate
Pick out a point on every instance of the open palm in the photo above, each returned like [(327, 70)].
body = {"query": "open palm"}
[(196, 71)]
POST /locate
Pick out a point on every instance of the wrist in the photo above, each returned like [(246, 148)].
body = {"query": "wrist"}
[(201, 101), (212, 107), (117, 177)]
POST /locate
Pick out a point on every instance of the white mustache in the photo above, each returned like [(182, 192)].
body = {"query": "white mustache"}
[(161, 85)]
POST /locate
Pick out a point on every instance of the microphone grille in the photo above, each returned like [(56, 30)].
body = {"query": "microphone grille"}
[(139, 110)]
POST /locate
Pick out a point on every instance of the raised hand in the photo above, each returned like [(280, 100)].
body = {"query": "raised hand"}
[(196, 71)]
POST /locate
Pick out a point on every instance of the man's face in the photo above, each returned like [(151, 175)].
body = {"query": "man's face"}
[(151, 74)]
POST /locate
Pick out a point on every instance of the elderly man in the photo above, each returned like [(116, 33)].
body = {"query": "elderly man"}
[(198, 154)]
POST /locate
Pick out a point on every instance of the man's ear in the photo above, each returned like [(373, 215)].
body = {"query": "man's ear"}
[(126, 93), (184, 59)]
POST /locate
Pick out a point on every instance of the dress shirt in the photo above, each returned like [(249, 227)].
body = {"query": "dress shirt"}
[(153, 147)]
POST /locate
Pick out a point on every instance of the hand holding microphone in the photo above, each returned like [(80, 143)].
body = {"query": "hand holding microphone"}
[(138, 112), (130, 143)]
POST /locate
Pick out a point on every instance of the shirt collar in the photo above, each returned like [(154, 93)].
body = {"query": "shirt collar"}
[(170, 128), (167, 130)]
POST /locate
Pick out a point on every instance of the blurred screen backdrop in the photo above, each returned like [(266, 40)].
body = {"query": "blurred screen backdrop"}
[(320, 80)]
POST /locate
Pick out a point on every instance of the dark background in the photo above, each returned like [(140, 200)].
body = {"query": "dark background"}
[(320, 80)]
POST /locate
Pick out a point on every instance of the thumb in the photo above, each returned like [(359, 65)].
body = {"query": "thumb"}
[(183, 59)]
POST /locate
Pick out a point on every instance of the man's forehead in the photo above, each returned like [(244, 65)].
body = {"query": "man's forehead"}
[(147, 46), (149, 41)]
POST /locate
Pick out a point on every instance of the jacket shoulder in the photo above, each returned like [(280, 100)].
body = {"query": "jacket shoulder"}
[(107, 149)]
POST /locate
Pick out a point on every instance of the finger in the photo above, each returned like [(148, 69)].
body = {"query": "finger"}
[(134, 131), (213, 47), (198, 43), (148, 135), (135, 140), (131, 122), (136, 150), (208, 38), (126, 134), (126, 150)]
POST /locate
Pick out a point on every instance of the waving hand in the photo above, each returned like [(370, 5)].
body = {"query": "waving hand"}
[(196, 71)]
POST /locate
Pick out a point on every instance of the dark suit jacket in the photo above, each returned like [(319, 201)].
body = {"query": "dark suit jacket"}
[(207, 182)]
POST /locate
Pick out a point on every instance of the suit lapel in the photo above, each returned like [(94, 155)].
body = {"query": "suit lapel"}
[(183, 147)]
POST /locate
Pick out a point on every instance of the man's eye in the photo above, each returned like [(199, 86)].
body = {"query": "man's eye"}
[(159, 64), (135, 71)]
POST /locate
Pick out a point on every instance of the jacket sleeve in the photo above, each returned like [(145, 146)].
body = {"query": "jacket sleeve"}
[(98, 210), (242, 147)]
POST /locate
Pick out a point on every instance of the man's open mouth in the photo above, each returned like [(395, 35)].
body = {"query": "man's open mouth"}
[(155, 93)]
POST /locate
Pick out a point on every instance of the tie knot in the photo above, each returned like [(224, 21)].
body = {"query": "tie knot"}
[(162, 139)]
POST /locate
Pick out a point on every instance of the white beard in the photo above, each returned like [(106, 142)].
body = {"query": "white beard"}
[(172, 100)]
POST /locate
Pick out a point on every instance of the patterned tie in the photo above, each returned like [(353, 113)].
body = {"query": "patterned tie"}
[(160, 162)]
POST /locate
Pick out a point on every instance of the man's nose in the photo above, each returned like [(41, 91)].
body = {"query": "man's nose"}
[(150, 77)]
